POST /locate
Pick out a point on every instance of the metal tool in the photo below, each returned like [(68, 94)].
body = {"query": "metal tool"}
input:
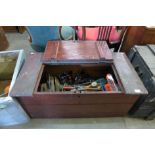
[(50, 83), (44, 87)]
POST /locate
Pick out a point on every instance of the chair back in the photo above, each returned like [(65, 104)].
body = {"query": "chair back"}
[(104, 33), (113, 35), (40, 35), (67, 32), (100, 33)]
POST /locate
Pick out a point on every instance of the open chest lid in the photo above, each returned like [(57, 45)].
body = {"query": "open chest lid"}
[(77, 52)]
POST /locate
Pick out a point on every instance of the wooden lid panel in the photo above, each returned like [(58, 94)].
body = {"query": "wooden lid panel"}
[(76, 51)]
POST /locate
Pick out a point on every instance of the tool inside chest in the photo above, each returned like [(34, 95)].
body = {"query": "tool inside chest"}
[(79, 78)]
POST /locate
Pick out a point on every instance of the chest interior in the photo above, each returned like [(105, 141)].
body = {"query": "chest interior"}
[(80, 78)]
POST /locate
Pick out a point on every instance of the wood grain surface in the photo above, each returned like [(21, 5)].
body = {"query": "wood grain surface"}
[(26, 81), (138, 35), (70, 106), (77, 51)]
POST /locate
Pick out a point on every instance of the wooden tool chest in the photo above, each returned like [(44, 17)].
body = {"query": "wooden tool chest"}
[(143, 60), (92, 57)]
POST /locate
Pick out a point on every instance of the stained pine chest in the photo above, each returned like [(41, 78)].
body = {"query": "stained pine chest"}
[(69, 65)]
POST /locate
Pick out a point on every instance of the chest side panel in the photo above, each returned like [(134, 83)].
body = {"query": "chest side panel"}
[(97, 105), (27, 78)]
